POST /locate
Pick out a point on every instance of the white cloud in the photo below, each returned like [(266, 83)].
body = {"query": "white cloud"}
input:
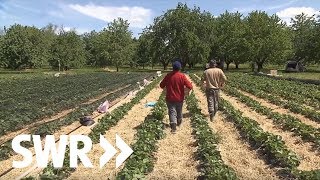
[(67, 28), (291, 12), (137, 16)]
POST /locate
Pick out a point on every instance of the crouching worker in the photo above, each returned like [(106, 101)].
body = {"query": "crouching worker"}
[(174, 84)]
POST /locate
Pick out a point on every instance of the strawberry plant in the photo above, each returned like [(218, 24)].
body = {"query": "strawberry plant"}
[(111, 119), (272, 145), (212, 166), (24, 101), (53, 126), (286, 122), (150, 131), (104, 124), (289, 94)]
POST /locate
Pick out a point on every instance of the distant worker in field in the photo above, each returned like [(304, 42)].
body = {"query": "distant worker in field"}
[(213, 80), (175, 83)]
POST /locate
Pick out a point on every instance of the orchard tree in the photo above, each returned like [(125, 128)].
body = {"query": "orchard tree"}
[(180, 33), (133, 60), (67, 51), (49, 36), (317, 41), (96, 46), (268, 40), (304, 38), (23, 47), (119, 42), (2, 58), (231, 44)]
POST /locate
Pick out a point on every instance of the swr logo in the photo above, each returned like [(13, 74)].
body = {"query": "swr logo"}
[(58, 154)]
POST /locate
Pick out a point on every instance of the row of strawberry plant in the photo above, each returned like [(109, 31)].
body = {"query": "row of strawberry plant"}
[(272, 144), (50, 172), (284, 121), (297, 91), (289, 91), (25, 101), (105, 124), (292, 106), (212, 165), (53, 126), (150, 131), (112, 119)]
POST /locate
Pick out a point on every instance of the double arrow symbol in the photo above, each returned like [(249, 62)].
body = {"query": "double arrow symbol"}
[(110, 151)]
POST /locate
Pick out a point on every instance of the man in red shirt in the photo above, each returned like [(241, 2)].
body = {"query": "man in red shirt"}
[(175, 83)]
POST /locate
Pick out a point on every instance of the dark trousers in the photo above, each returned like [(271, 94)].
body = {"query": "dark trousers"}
[(174, 111), (213, 100)]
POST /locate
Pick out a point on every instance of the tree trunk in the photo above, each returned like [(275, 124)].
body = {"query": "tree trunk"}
[(142, 66), (237, 65), (228, 66), (259, 66), (183, 66), (164, 66), (117, 69)]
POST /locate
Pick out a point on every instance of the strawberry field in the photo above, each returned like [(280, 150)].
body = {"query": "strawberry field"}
[(264, 129)]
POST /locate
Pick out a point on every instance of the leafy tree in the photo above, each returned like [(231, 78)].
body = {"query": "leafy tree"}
[(180, 33), (304, 38), (67, 51), (143, 53), (96, 44), (2, 59), (268, 40), (23, 47), (49, 36), (317, 41), (119, 42), (231, 43), (133, 61)]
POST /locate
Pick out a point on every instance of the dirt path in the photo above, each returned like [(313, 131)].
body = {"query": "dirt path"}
[(310, 159), (7, 164), (281, 110), (126, 129), (236, 153), (175, 156), (29, 127)]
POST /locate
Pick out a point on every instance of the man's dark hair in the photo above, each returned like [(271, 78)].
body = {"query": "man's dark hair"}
[(213, 63)]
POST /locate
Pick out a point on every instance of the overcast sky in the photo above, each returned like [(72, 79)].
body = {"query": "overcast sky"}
[(87, 15)]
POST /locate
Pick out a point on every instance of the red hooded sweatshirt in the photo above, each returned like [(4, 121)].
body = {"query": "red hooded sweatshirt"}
[(175, 83)]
